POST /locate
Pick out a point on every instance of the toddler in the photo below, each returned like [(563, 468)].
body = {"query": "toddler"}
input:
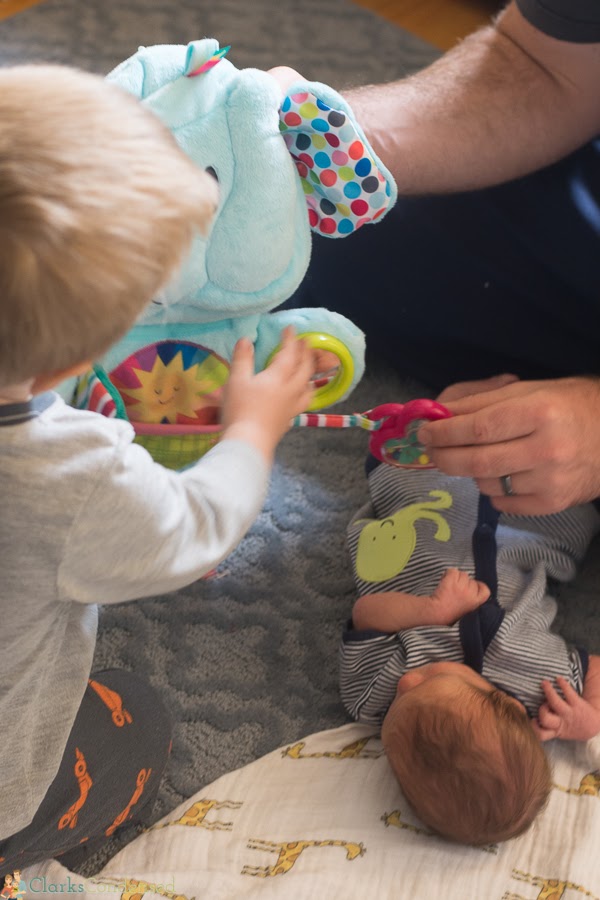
[(97, 207), (450, 648)]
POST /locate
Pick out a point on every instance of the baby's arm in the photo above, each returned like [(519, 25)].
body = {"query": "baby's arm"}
[(572, 717), (456, 594)]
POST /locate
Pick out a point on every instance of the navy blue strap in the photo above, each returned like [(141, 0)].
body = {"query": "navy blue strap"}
[(478, 627)]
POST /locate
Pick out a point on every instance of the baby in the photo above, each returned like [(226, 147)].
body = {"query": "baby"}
[(450, 649), (98, 205)]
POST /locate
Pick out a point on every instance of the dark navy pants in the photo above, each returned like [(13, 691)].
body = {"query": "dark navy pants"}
[(108, 778), (474, 284)]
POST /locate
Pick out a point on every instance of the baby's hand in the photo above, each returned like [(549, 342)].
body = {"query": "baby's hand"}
[(568, 717), (258, 408), (456, 594)]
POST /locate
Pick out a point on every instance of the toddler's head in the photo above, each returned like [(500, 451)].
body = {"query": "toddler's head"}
[(97, 207), (465, 755)]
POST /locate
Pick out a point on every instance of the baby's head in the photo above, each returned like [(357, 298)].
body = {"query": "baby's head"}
[(98, 205), (465, 754)]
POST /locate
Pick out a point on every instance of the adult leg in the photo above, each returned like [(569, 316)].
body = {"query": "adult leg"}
[(469, 285), (109, 775)]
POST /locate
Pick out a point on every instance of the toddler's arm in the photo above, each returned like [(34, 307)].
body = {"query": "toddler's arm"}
[(569, 715), (146, 530), (456, 594)]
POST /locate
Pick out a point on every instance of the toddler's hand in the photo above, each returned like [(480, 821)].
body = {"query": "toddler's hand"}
[(285, 77), (569, 716), (456, 594), (258, 408)]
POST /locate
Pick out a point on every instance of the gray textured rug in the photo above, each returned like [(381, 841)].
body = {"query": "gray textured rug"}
[(327, 40), (248, 662)]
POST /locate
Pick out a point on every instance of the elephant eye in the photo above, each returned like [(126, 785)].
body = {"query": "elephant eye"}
[(212, 172)]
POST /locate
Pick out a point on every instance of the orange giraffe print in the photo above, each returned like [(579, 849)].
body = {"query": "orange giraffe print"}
[(289, 853), (85, 782), (114, 702), (196, 814), (142, 778), (395, 818), (589, 785), (550, 888), (355, 750)]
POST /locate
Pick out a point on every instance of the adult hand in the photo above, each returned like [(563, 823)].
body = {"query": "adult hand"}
[(544, 434)]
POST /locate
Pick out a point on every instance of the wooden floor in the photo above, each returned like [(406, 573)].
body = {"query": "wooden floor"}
[(10, 7), (441, 22)]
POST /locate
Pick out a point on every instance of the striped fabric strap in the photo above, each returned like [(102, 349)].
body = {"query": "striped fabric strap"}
[(95, 391), (331, 420), (91, 393)]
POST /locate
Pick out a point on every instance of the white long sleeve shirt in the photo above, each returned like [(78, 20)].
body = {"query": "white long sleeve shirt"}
[(88, 518)]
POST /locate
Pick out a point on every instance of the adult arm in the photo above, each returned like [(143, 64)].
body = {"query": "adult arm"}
[(456, 594), (569, 715), (506, 101)]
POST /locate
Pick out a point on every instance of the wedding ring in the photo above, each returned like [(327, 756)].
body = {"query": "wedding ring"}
[(506, 484)]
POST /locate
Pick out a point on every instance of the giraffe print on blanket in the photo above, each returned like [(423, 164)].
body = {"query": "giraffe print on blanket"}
[(289, 853), (588, 786), (549, 888), (355, 750), (195, 816), (395, 818)]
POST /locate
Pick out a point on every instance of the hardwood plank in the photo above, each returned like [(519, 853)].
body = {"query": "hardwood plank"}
[(441, 22), (10, 7)]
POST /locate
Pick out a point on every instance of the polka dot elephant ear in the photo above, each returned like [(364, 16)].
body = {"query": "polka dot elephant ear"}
[(345, 184)]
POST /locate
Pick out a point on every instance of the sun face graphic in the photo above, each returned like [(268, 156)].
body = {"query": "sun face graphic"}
[(172, 383)]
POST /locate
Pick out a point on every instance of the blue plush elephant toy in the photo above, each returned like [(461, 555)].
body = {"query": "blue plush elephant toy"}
[(284, 166)]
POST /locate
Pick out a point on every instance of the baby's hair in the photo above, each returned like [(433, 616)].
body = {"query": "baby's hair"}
[(98, 205), (474, 772)]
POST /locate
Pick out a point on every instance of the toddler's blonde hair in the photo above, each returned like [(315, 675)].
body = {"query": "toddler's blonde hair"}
[(473, 771), (97, 207)]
